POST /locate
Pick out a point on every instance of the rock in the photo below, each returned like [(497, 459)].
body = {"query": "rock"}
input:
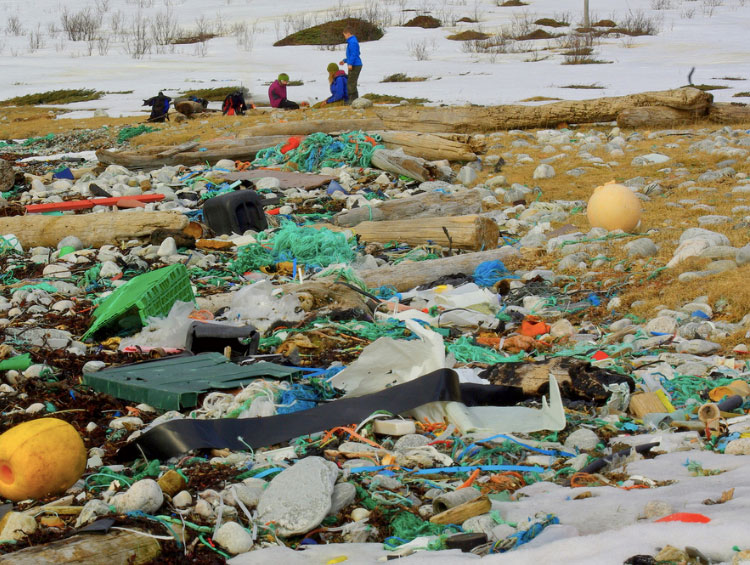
[(343, 495), (299, 498), (110, 269), (16, 525), (738, 447), (234, 538), (650, 159), (657, 509), (711, 237), (643, 247), (544, 172), (227, 164), (360, 514), (92, 510), (57, 271), (70, 241), (182, 499), (662, 325), (7, 176), (562, 328), (144, 495), (361, 103), (583, 439), (698, 347), (467, 176), (409, 441), (743, 256), (168, 247)]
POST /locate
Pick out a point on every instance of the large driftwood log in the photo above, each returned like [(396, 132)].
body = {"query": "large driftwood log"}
[(494, 118), (91, 549), (159, 156), (306, 127), (94, 230), (429, 204), (654, 116), (408, 275), (399, 163), (723, 113), (427, 146), (472, 232)]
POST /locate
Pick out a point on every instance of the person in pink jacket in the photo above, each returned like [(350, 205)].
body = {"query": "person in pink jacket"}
[(277, 94)]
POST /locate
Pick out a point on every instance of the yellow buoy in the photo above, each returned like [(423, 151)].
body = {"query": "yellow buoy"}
[(614, 207), (38, 458)]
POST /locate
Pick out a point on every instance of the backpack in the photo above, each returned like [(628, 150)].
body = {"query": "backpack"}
[(233, 104)]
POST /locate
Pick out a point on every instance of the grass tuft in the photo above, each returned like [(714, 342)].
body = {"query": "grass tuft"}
[(68, 96), (402, 77), (393, 99), (331, 33)]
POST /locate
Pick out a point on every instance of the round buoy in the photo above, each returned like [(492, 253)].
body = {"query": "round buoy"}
[(614, 207), (41, 457)]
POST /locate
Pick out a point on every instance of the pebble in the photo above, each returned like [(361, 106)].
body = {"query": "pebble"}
[(182, 499), (299, 498), (698, 347), (144, 495), (583, 439), (234, 538)]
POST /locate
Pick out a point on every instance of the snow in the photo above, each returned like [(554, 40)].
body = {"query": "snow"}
[(608, 527), (692, 34)]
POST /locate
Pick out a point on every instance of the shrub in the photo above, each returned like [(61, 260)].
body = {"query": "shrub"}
[(80, 26), (331, 33), (425, 22), (402, 77), (67, 96)]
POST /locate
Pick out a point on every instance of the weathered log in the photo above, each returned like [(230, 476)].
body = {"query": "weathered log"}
[(471, 232), (94, 230), (427, 146), (189, 107), (149, 157), (408, 275), (654, 116), (92, 549), (494, 118), (459, 514), (399, 163), (429, 204), (306, 127), (723, 113)]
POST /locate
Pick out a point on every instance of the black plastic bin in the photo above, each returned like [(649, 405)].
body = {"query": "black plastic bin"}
[(205, 337), (235, 212)]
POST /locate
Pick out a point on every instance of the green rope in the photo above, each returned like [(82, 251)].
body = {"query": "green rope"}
[(320, 150), (466, 352)]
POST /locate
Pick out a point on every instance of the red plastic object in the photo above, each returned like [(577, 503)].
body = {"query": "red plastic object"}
[(686, 517), (293, 143), (533, 326), (90, 203), (599, 355)]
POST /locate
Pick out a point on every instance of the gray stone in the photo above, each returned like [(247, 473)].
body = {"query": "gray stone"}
[(234, 538), (361, 103), (91, 510), (409, 441), (544, 172), (650, 159), (467, 176), (168, 247), (720, 252), (577, 172), (713, 220), (743, 255), (70, 241), (299, 498), (582, 439), (144, 495), (713, 238), (712, 176), (662, 324), (643, 247), (182, 499), (698, 347), (110, 269), (344, 494)]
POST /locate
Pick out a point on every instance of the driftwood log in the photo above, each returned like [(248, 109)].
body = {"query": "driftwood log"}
[(408, 275), (94, 230), (306, 127), (723, 113), (429, 204), (428, 146), (189, 154), (471, 232), (495, 118), (91, 549), (398, 163), (651, 116)]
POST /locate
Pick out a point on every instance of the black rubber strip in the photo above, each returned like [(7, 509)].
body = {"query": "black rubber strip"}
[(176, 437)]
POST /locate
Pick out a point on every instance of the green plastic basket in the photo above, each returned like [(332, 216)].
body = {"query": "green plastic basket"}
[(148, 295)]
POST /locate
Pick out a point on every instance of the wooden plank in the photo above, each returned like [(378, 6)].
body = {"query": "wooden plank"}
[(90, 203), (459, 514), (651, 116), (306, 127), (472, 232), (178, 149), (646, 403)]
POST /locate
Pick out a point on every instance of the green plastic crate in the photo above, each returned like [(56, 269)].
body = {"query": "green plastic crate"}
[(176, 383), (148, 295)]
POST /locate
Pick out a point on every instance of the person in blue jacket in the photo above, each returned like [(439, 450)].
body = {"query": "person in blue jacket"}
[(354, 63), (337, 81)]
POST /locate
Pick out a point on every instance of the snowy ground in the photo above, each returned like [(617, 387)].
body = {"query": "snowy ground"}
[(710, 35)]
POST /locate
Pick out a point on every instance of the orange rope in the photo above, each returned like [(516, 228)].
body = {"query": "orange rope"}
[(471, 479), (583, 480), (329, 434)]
